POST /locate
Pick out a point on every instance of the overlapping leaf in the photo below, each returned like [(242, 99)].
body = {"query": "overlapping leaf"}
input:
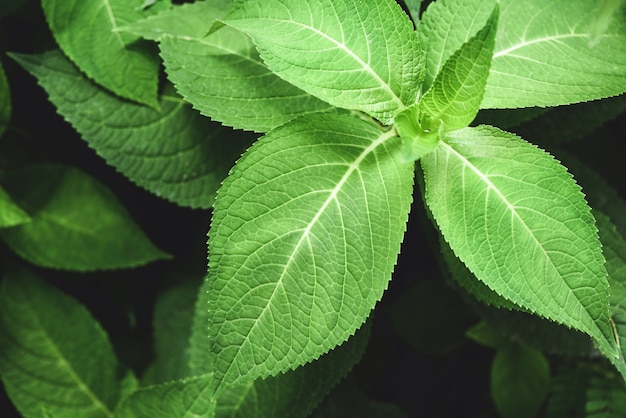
[(86, 32), (76, 222), (54, 356), (548, 55), (361, 56), (10, 213), (174, 153), (305, 234), (519, 222)]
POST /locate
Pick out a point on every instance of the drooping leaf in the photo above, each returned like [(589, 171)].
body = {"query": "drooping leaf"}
[(295, 393), (304, 237), (174, 153), (547, 55), (184, 398), (519, 222), (77, 223), (360, 56), (53, 355), (10, 213), (520, 378), (457, 91), (86, 32)]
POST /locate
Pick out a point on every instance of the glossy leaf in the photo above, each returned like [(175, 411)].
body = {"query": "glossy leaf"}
[(53, 355), (360, 56), (304, 237), (185, 398), (519, 222), (532, 63), (86, 32), (77, 223), (174, 153)]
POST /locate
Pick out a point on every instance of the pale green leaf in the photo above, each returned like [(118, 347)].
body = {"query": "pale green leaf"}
[(223, 77), (295, 393), (174, 153), (520, 378), (520, 223), (10, 213), (361, 56), (457, 91), (305, 234), (53, 355), (190, 20), (76, 222), (5, 102), (185, 398), (86, 32), (545, 55)]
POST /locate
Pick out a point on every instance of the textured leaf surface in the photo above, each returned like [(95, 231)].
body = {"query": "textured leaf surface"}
[(223, 77), (174, 153), (520, 377), (185, 398), (305, 234), (10, 213), (455, 96), (77, 223), (5, 102), (520, 223), (362, 56), (545, 55), (86, 32), (53, 355)]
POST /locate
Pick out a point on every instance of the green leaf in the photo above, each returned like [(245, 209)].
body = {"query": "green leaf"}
[(10, 213), (86, 32), (455, 96), (5, 102), (520, 223), (223, 77), (174, 153), (53, 355), (360, 56), (77, 223), (185, 398), (295, 393), (532, 63), (520, 377), (305, 234), (414, 7)]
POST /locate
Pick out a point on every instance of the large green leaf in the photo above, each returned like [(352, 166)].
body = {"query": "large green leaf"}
[(185, 398), (77, 223), (546, 54), (5, 101), (362, 56), (86, 32), (520, 223), (304, 237), (174, 153), (54, 356)]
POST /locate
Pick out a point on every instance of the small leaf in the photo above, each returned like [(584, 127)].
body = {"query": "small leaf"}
[(455, 96), (174, 153), (361, 56), (10, 213), (520, 223), (223, 77), (86, 32), (520, 377), (77, 223), (185, 398), (53, 355), (305, 234)]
